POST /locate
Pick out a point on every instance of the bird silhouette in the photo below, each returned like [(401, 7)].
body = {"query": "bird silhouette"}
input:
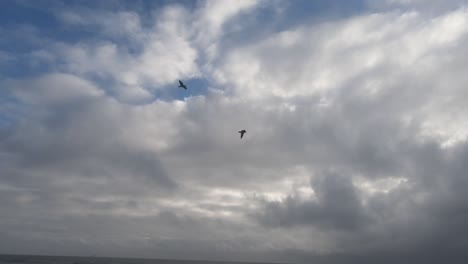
[(182, 85), (242, 132)]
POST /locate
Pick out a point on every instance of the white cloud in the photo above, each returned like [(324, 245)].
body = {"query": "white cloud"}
[(210, 19), (53, 89), (166, 51), (310, 60), (163, 52)]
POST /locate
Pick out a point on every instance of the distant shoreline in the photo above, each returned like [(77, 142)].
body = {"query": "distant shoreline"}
[(43, 259)]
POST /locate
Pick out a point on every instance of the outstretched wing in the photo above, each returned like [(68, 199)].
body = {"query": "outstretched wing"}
[(181, 83), (242, 132)]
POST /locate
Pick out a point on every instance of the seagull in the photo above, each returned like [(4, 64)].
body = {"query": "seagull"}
[(242, 132), (181, 84)]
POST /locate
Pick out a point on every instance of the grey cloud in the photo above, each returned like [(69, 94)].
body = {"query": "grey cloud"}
[(424, 216), (336, 205), (74, 145)]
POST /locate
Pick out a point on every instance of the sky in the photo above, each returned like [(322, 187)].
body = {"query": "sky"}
[(356, 148)]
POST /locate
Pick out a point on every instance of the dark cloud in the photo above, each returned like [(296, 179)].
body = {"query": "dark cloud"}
[(335, 205)]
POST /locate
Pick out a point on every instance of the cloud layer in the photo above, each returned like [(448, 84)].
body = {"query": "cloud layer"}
[(355, 149)]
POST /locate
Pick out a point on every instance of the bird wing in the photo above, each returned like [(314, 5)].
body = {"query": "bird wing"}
[(181, 83)]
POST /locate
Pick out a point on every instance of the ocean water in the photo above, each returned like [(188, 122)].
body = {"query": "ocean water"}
[(27, 259)]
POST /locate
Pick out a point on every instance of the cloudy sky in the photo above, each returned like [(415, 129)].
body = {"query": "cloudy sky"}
[(355, 110)]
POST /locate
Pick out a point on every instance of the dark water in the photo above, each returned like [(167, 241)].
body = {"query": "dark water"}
[(26, 259)]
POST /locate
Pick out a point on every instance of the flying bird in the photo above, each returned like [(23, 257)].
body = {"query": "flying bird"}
[(182, 85), (242, 132)]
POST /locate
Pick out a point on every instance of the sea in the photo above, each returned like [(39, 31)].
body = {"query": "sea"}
[(29, 259)]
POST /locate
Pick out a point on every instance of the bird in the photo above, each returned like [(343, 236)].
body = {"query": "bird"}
[(182, 85), (242, 132)]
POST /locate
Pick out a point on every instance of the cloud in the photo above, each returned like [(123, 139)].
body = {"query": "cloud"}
[(210, 21), (330, 77), (156, 55), (355, 146), (335, 205), (161, 53), (63, 131)]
